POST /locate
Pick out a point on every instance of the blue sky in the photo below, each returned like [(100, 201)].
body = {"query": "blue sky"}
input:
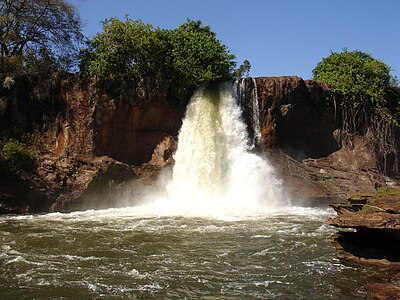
[(279, 37)]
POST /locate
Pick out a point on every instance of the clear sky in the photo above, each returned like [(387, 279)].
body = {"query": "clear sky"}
[(278, 37)]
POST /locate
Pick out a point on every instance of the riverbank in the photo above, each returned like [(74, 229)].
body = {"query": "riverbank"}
[(375, 239)]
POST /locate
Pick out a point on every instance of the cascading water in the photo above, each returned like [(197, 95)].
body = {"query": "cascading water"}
[(215, 172), (255, 110), (256, 114)]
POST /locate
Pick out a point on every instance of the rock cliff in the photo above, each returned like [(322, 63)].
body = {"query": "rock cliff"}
[(301, 136), (84, 128)]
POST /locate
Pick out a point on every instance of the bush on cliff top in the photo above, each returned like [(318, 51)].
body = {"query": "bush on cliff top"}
[(357, 77), (190, 53)]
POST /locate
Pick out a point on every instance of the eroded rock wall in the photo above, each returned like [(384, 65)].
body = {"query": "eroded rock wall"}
[(82, 127), (301, 136)]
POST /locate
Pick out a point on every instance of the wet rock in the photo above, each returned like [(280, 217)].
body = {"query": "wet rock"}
[(162, 154), (376, 220), (101, 185)]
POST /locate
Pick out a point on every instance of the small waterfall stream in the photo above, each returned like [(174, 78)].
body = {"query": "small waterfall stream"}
[(255, 114), (254, 105)]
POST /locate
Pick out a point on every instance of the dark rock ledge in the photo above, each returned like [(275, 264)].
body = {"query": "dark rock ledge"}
[(375, 239)]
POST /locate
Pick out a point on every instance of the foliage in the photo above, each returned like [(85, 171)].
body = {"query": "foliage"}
[(125, 48), (243, 70), (37, 33), (368, 103), (191, 53), (198, 56), (356, 76), (15, 157)]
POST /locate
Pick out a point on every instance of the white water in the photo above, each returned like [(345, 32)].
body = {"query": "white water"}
[(215, 173), (256, 113)]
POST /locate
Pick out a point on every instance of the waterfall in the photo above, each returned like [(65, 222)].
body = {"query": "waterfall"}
[(215, 172), (255, 114)]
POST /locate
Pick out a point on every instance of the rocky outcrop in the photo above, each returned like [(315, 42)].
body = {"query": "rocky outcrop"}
[(376, 219), (302, 138)]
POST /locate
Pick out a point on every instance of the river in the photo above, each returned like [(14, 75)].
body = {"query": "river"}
[(120, 254)]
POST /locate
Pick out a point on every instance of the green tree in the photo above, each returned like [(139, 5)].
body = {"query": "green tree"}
[(198, 56), (357, 77), (37, 30), (127, 47), (189, 55)]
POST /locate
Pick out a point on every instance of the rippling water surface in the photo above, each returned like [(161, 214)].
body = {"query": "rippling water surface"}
[(118, 253)]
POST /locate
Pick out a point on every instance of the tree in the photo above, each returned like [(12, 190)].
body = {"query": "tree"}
[(367, 98), (198, 56), (37, 29), (189, 55), (243, 70), (127, 47), (357, 77)]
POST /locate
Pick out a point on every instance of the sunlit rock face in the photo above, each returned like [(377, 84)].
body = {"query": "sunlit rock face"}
[(76, 121), (125, 125)]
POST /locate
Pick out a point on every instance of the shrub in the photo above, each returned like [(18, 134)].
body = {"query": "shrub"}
[(15, 157)]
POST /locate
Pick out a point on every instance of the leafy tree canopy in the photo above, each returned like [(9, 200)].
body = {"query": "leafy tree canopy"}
[(356, 76), (127, 47), (37, 32), (189, 53), (197, 55)]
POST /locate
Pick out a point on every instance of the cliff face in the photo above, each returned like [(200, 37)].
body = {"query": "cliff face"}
[(301, 136), (293, 116), (85, 127), (125, 127), (91, 134)]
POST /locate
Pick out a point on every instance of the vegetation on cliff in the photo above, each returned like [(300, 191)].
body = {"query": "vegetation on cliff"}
[(15, 157), (190, 54), (365, 93)]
